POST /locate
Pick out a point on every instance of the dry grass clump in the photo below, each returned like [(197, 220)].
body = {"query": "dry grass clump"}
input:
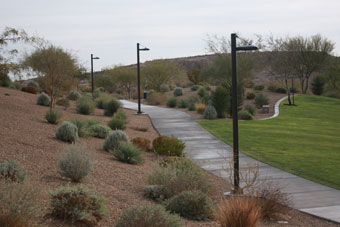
[(200, 108), (156, 99), (142, 143), (19, 205), (239, 212)]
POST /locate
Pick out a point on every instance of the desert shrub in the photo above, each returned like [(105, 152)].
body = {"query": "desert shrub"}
[(164, 88), (116, 124), (248, 83), (113, 139), (73, 95), (156, 98), (183, 103), (172, 102), (155, 192), (191, 107), (251, 109), (170, 146), (259, 87), (272, 87), (120, 115), (111, 107), (67, 132), (207, 87), (15, 86), (98, 130), (142, 143), (78, 204), (101, 89), (146, 216), (221, 101), (86, 89), (19, 205), (53, 116), (85, 105), (96, 94), (193, 99), (12, 171), (202, 92), (178, 91), (5, 81), (63, 102), (81, 126), (75, 163), (176, 176), (244, 115), (128, 153), (200, 108), (318, 85), (206, 99), (281, 90), (271, 201), (92, 121), (43, 99), (195, 87), (33, 84), (194, 205), (30, 89), (261, 99), (239, 212), (250, 95), (210, 112), (101, 101)]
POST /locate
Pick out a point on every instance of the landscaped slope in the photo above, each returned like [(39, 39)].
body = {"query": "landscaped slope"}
[(303, 140)]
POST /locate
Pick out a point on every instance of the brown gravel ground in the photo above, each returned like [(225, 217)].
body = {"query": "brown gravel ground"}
[(26, 137)]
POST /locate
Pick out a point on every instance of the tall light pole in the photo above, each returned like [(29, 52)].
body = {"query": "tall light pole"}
[(234, 50), (92, 81), (138, 75)]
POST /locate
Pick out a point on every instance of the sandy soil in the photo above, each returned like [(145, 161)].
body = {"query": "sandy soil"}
[(26, 137)]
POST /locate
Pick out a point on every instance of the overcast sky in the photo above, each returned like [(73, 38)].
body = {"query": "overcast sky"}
[(110, 29)]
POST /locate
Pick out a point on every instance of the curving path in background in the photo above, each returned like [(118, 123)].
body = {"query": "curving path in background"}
[(212, 155)]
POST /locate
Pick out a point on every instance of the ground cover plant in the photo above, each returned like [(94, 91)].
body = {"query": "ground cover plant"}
[(12, 171), (128, 153), (303, 140)]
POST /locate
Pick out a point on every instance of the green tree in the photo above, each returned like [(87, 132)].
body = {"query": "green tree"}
[(332, 76), (55, 67), (308, 56), (126, 79), (221, 99), (195, 76), (318, 85)]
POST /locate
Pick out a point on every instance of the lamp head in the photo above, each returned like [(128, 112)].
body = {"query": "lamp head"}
[(144, 49), (247, 48)]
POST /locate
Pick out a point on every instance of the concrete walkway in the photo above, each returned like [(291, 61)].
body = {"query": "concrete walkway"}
[(212, 154)]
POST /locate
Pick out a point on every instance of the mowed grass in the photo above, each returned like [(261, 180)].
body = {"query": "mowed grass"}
[(303, 140)]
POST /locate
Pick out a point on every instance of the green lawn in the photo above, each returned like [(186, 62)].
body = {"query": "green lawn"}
[(303, 140)]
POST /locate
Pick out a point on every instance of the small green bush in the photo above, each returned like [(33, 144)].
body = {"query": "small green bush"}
[(183, 103), (192, 107), (43, 99), (176, 176), (111, 107), (261, 99), (128, 153), (251, 109), (318, 85), (73, 95), (19, 205), (172, 102), (33, 84), (193, 99), (116, 124), (244, 115), (164, 88), (210, 112), (195, 87), (53, 116), (5, 81), (250, 95), (78, 204), (221, 101), (170, 146), (281, 90), (98, 130), (194, 205), (92, 121), (63, 102), (147, 216), (101, 101), (81, 126), (67, 132), (85, 105), (120, 115), (96, 94), (12, 171), (202, 92), (178, 91), (75, 164), (259, 87), (113, 139)]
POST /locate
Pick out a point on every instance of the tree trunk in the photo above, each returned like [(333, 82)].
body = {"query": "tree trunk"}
[(306, 87), (288, 91)]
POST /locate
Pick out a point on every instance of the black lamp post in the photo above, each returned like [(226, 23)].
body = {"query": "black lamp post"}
[(92, 81), (138, 74), (234, 49)]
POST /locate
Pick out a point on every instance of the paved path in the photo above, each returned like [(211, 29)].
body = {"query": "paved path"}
[(212, 154)]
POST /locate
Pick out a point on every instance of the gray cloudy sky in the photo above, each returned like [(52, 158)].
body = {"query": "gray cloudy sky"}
[(173, 28)]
